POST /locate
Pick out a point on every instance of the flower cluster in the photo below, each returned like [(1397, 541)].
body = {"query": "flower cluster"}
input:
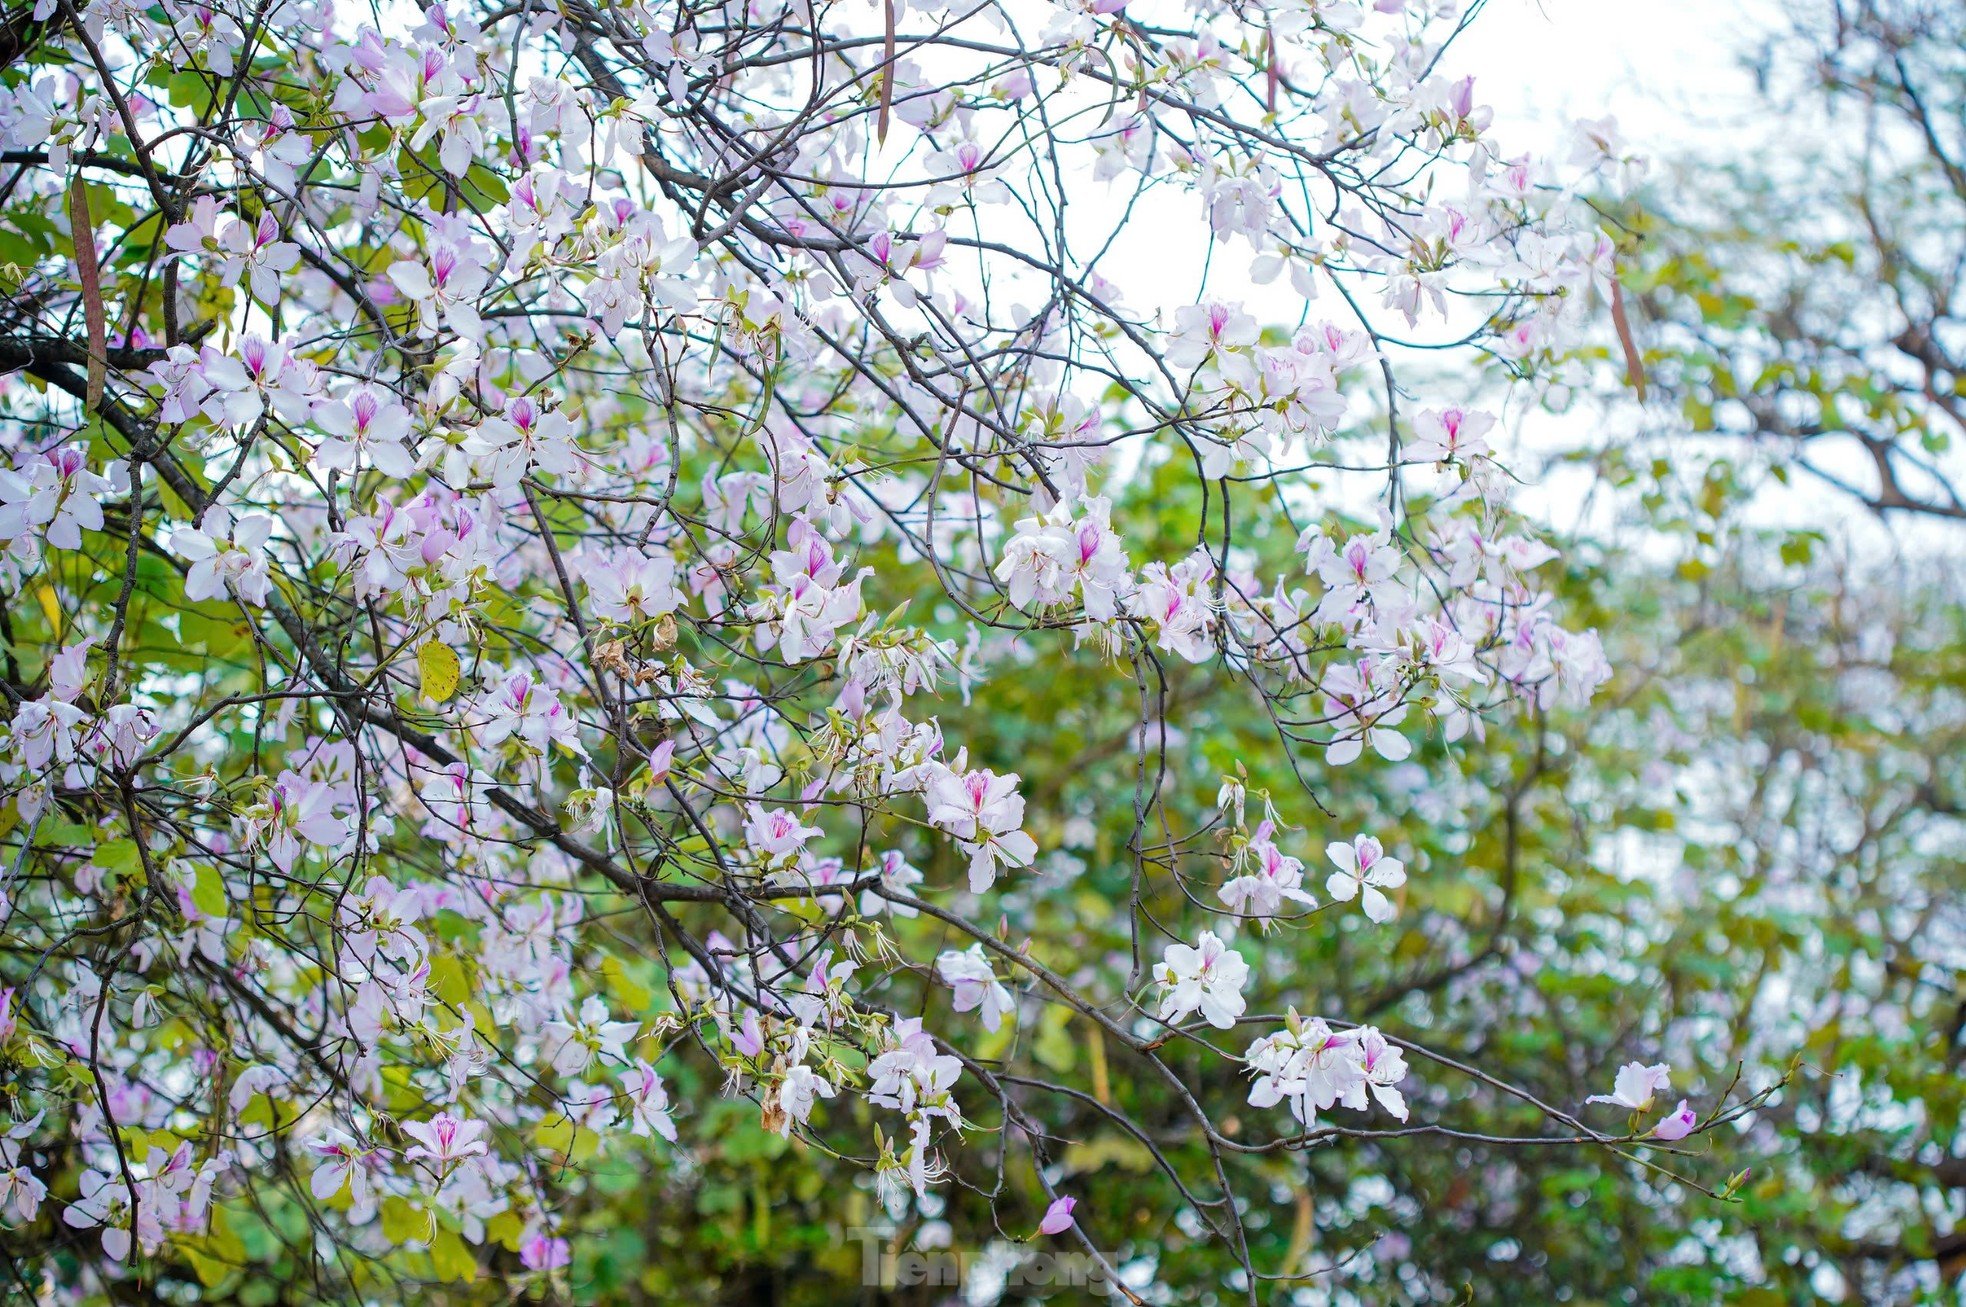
[(500, 506)]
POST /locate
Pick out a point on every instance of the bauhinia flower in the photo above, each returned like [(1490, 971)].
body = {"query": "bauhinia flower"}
[(618, 507), (1678, 1125), (1058, 1217), (21, 1191), (226, 555), (57, 495), (1205, 332), (445, 1140), (366, 427), (1364, 873), (976, 985), (778, 837), (544, 1252), (1637, 1085), (983, 811), (1384, 1067), (576, 1043), (1048, 558), (1450, 433), (1269, 879), (1307, 1065), (346, 1164), (792, 1102), (105, 1201), (1207, 978), (648, 1102)]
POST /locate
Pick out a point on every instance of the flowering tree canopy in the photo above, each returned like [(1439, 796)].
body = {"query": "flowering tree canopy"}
[(529, 536)]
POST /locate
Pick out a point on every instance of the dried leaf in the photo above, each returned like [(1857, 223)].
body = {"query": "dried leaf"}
[(1634, 365), (887, 75), (89, 271), (1270, 74)]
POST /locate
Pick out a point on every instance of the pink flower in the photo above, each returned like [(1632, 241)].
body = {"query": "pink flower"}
[(1058, 1216), (1677, 1126), (1271, 878), (778, 835), (983, 811), (445, 1139), (749, 1039), (542, 1252), (648, 1101)]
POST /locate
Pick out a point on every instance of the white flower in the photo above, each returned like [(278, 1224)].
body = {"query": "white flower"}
[(896, 875), (1384, 1066), (444, 286), (574, 1043), (778, 836), (633, 587), (345, 1162), (243, 384), (976, 985), (1366, 712), (1272, 878), (21, 1191), (1209, 331), (1365, 569), (1309, 1065), (105, 1201), (1364, 870), (364, 424), (219, 563), (801, 1088), (1048, 557), (58, 493), (1452, 433), (532, 713), (1208, 978), (912, 1077), (1636, 1086)]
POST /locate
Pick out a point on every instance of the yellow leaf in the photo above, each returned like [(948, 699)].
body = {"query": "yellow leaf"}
[(50, 607), (439, 669), (453, 1260), (403, 1223), (505, 1230), (447, 979)]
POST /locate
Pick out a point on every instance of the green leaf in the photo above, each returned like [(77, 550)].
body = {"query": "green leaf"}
[(208, 892), (118, 857)]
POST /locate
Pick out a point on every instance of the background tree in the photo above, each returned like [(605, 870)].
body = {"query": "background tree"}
[(1803, 297)]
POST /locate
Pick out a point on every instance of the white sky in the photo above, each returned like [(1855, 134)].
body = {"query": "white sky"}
[(1668, 69)]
